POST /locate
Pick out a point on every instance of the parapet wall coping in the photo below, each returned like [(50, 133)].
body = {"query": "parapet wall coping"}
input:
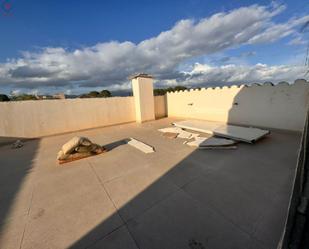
[(266, 84)]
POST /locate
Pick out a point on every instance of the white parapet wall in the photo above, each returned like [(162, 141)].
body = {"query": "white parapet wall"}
[(39, 118), (281, 106)]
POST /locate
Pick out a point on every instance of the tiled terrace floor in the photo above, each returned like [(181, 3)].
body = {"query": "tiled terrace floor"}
[(175, 198)]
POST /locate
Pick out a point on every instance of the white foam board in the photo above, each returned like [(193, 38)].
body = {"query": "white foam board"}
[(245, 134), (141, 146)]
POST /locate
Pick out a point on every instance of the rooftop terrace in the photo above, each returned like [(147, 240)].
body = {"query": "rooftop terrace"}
[(174, 198), (177, 197)]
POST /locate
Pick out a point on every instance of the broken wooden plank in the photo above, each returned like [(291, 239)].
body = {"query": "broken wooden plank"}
[(141, 146), (244, 134)]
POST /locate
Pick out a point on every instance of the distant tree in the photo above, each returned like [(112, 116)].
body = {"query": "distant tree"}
[(24, 97), (179, 88), (159, 91), (4, 97), (93, 94), (163, 91), (105, 94)]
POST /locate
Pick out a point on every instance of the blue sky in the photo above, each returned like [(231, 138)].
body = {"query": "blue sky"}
[(53, 46)]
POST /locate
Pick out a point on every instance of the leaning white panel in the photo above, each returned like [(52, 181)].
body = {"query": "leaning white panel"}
[(197, 125), (249, 135)]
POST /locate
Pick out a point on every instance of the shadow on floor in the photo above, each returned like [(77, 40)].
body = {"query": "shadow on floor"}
[(211, 199), (15, 165), (11, 140), (116, 144)]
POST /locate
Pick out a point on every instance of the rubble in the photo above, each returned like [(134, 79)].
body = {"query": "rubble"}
[(179, 131), (170, 135), (17, 144)]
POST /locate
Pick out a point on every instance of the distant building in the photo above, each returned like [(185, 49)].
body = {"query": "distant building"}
[(59, 96)]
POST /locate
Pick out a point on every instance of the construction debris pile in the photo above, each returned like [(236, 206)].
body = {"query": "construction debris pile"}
[(173, 132), (78, 148), (216, 135), (17, 144), (81, 147)]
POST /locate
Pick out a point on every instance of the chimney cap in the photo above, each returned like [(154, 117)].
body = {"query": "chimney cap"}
[(140, 75)]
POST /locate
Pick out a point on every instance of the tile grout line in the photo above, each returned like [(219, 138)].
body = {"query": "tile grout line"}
[(27, 219), (251, 234), (129, 172), (254, 233), (156, 203), (125, 223), (211, 207), (22, 237), (105, 236), (182, 189), (178, 188)]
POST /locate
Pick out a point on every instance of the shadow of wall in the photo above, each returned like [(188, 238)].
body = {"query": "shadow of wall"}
[(15, 166), (216, 199), (11, 140), (211, 199), (160, 104), (281, 106)]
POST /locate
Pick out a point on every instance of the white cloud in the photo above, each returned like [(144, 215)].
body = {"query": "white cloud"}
[(15, 92), (278, 31), (109, 64), (203, 74), (298, 40)]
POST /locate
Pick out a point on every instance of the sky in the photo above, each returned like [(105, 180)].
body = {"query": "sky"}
[(76, 46)]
